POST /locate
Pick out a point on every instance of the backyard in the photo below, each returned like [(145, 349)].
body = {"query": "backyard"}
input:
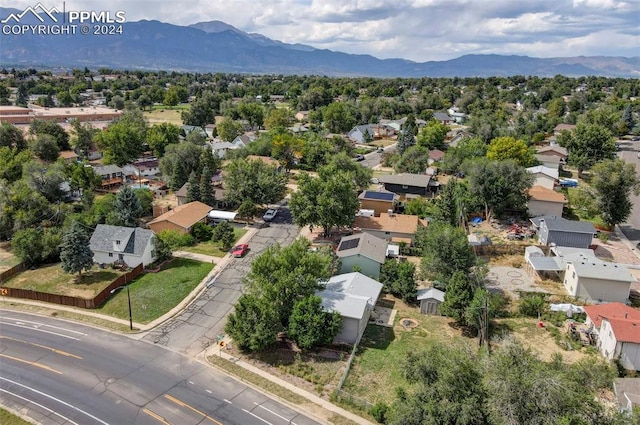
[(213, 248), (154, 294)]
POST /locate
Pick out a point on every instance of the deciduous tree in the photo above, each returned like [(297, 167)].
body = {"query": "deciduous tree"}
[(504, 148), (254, 180), (588, 144), (310, 326), (445, 252), (614, 182)]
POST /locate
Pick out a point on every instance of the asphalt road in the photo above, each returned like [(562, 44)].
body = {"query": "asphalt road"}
[(193, 330), (57, 372), (374, 158), (631, 229)]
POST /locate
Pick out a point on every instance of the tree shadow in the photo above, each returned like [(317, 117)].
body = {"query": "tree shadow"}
[(378, 337)]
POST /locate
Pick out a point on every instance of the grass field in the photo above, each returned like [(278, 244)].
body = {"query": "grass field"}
[(213, 248), (7, 259), (154, 294), (7, 418), (164, 115), (52, 280)]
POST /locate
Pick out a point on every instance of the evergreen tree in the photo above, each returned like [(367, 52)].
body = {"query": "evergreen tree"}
[(447, 204), (406, 139), (179, 177), (193, 188), (75, 253), (627, 117), (127, 207), (207, 195)]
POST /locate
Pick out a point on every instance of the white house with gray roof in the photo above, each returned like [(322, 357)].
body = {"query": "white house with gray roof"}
[(132, 246), (353, 296), (364, 251), (598, 281)]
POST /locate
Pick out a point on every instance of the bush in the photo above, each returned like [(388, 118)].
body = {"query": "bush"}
[(531, 305), (202, 232), (379, 412), (175, 239)]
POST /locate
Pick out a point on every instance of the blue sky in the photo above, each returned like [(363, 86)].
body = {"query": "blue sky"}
[(419, 30)]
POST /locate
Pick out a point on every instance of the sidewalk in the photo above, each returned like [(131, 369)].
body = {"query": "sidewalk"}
[(215, 351)]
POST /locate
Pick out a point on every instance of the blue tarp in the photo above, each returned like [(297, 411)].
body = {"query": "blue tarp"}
[(476, 220)]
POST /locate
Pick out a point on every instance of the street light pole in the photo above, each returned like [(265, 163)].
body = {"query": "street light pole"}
[(129, 301)]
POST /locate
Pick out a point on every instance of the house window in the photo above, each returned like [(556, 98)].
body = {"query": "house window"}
[(111, 254), (387, 233), (120, 257), (573, 275), (117, 242), (609, 334)]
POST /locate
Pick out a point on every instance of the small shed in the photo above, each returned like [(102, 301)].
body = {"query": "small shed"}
[(532, 251), (430, 300)]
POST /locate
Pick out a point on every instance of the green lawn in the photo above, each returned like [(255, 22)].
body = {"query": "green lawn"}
[(7, 418), (154, 294), (52, 280), (212, 248)]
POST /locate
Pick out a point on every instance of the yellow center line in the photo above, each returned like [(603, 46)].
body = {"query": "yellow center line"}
[(183, 404), (40, 365), (155, 416), (55, 350)]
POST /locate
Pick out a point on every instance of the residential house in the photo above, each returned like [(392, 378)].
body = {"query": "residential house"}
[(302, 116), (112, 176), (544, 176), (220, 148), (378, 201), (243, 140), (550, 161), (218, 192), (181, 218), (598, 281), (128, 245), (143, 168), (544, 201), (364, 251), (267, 160), (358, 133), (435, 155), (353, 296), (406, 184), (397, 228), (188, 129), (554, 150), (459, 117), (69, 157), (618, 328), (563, 232), (443, 118), (430, 300), (558, 129)]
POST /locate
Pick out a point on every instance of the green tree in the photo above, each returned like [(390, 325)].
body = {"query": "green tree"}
[(12, 137), (127, 207), (202, 232), (310, 326), (433, 135), (179, 177), (278, 119), (447, 208), (228, 129), (45, 180), (187, 156), (60, 135), (207, 196), (627, 117), (343, 163), (504, 148), (398, 279), (145, 196), (445, 252), (75, 253), (162, 250), (44, 146), (122, 141), (27, 246), (324, 202), (339, 117), (588, 144), (161, 135), (247, 210), (83, 139), (253, 324), (203, 110), (221, 232), (414, 160), (460, 289), (287, 148), (253, 113), (406, 139), (254, 180), (11, 162), (614, 182), (500, 185), (193, 188), (467, 149)]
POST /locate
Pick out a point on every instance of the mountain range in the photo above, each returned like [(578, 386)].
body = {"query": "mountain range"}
[(218, 47)]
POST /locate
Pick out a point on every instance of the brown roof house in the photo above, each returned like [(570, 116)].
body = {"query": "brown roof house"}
[(392, 227), (363, 251), (544, 201), (181, 218), (378, 201)]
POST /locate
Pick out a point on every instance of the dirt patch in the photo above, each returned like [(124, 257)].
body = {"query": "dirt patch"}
[(7, 259)]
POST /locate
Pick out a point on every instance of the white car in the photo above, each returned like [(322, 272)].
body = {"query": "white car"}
[(270, 214)]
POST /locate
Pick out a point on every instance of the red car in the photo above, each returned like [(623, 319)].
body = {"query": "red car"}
[(240, 250)]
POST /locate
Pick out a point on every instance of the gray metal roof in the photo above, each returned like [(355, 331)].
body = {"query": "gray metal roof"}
[(136, 239), (349, 294), (368, 246), (417, 180), (103, 170), (442, 116), (563, 225), (547, 171), (602, 270), (430, 293), (536, 220), (546, 263)]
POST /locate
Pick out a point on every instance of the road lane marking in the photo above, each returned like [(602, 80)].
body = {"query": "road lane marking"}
[(43, 324), (39, 330), (183, 404), (274, 413), (155, 416), (39, 405), (36, 364), (56, 399), (257, 417), (55, 350)]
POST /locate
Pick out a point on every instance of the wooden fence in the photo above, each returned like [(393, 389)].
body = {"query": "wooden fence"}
[(5, 275), (94, 302)]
